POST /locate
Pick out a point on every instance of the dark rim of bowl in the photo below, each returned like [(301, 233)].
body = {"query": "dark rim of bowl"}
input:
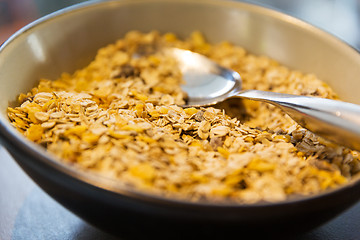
[(14, 138)]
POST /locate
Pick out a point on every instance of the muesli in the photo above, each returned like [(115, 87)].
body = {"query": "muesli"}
[(121, 117)]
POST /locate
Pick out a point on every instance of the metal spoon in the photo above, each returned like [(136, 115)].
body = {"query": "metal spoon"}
[(208, 83)]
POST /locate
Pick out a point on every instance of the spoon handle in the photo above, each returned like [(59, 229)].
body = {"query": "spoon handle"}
[(334, 120)]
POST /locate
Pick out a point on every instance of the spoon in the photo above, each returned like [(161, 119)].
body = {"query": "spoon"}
[(208, 83)]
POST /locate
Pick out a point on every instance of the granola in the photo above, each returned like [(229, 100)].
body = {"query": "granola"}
[(121, 117)]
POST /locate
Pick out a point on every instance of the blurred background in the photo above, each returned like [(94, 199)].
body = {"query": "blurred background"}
[(339, 17)]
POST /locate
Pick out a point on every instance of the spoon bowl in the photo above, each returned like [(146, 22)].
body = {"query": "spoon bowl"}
[(208, 83)]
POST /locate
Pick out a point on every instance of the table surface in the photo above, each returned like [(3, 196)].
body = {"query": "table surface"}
[(26, 212)]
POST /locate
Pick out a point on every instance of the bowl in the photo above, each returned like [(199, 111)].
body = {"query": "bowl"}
[(68, 39)]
